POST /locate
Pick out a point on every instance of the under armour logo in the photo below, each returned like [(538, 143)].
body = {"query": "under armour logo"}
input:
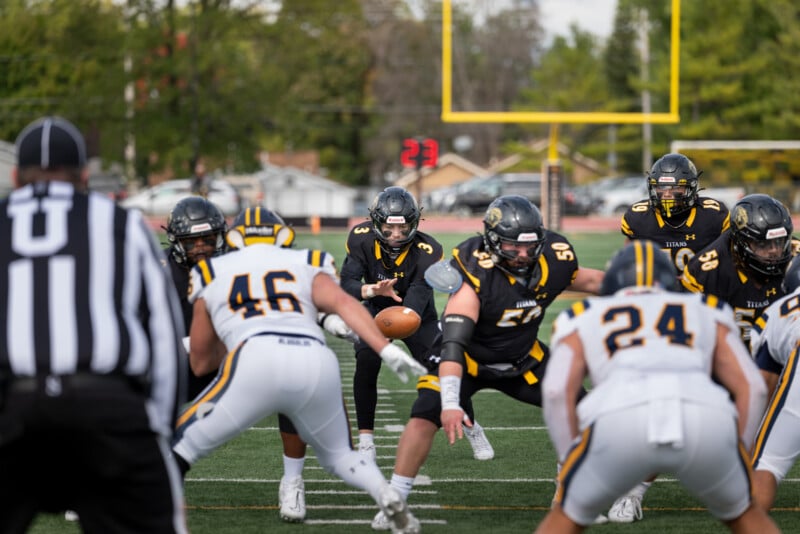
[(691, 237), (772, 292), (398, 275)]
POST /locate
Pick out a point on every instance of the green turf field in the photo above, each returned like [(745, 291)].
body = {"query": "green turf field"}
[(235, 489)]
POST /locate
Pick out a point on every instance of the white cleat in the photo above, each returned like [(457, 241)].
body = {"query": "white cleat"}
[(626, 509), (292, 499), (368, 450), (71, 515), (396, 510), (380, 522), (481, 448)]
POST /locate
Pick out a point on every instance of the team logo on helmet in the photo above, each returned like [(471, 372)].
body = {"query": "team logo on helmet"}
[(493, 217), (740, 217)]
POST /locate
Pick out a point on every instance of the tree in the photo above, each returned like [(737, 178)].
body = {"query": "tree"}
[(66, 62)]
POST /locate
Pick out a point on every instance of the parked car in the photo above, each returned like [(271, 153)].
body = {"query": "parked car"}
[(161, 198), (476, 195), (614, 195), (578, 200)]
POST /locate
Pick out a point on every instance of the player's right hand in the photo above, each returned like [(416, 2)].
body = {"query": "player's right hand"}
[(400, 362)]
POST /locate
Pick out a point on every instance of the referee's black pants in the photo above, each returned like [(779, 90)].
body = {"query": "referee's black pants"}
[(85, 445)]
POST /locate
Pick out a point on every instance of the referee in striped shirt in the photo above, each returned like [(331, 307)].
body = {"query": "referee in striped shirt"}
[(90, 351)]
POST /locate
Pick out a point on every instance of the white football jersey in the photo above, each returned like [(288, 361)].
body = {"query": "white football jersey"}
[(646, 345), (260, 288), (777, 331)]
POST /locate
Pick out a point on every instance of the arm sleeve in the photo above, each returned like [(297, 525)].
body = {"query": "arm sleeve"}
[(757, 388), (554, 399)]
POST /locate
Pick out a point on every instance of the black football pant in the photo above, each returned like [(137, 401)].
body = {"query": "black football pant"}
[(88, 449)]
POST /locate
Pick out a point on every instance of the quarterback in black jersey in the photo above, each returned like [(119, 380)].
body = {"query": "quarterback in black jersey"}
[(384, 266), (674, 216), (745, 266), (511, 274)]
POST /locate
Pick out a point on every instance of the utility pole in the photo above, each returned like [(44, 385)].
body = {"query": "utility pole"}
[(644, 48)]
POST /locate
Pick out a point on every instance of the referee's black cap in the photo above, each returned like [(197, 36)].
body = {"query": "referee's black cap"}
[(51, 143)]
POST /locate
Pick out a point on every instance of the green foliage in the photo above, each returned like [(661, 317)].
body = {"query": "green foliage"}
[(351, 79), (61, 57)]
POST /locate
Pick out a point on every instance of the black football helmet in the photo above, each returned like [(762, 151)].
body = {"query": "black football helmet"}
[(761, 223), (394, 205), (670, 171), (791, 280), (259, 225), (514, 219), (189, 219), (640, 263)]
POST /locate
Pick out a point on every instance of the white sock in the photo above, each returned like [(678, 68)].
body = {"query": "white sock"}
[(293, 467), (366, 438), (640, 489), (402, 484)]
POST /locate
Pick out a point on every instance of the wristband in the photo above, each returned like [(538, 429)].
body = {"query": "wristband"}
[(451, 386), (370, 291)]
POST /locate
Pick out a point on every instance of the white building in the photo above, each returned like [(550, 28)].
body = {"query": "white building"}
[(293, 192)]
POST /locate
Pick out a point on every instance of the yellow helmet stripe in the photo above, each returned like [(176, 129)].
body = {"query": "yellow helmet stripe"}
[(637, 250), (645, 257)]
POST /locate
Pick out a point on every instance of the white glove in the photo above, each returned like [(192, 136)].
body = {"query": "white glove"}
[(336, 326), (400, 362)]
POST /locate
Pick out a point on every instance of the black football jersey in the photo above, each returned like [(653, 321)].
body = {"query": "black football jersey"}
[(510, 311), (366, 263), (713, 271), (707, 220)]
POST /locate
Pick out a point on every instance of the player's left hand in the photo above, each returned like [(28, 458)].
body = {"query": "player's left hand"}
[(451, 424)]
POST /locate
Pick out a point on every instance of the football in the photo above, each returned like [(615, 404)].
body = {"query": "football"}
[(397, 322)]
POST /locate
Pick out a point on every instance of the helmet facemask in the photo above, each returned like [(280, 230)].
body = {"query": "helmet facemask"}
[(766, 258), (199, 246), (672, 196), (508, 258)]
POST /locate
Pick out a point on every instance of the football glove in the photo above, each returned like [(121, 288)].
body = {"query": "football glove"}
[(400, 362), (336, 326)]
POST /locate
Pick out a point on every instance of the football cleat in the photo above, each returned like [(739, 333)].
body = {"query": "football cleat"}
[(380, 522), (399, 516), (292, 499), (71, 515), (626, 509), (481, 448), (368, 450)]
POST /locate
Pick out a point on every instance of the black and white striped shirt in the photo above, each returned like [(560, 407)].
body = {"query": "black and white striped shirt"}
[(84, 290)]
